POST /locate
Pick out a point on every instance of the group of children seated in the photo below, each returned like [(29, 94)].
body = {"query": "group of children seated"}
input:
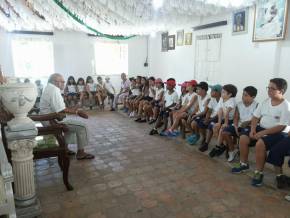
[(75, 93), (237, 125)]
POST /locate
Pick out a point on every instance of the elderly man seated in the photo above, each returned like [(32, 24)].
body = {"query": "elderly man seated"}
[(53, 102)]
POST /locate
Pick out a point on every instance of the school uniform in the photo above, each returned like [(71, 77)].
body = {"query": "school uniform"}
[(169, 99), (72, 91), (271, 116), (214, 106), (245, 114), (201, 102)]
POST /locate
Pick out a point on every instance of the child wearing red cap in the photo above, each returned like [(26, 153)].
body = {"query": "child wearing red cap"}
[(169, 101), (202, 102), (184, 111)]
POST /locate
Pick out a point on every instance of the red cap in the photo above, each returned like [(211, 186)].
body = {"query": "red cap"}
[(170, 82), (158, 80), (182, 84), (191, 83)]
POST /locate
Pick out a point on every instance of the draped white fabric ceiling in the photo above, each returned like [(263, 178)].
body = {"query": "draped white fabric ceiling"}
[(116, 17)]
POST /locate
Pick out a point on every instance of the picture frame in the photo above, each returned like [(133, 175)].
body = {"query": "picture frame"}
[(240, 21), (188, 39), (171, 42), (164, 42), (270, 20), (180, 37)]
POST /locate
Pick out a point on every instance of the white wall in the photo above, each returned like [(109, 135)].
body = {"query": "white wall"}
[(74, 53), (243, 62)]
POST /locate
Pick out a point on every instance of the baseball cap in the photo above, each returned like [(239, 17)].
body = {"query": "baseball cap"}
[(191, 83), (158, 80), (216, 87), (182, 84), (203, 85)]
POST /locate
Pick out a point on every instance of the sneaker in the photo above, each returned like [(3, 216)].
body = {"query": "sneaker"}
[(203, 147), (242, 167), (287, 197), (131, 115), (221, 149), (163, 133), (153, 132), (190, 141), (191, 137), (142, 121), (152, 121), (257, 180), (232, 155), (138, 119), (281, 181), (126, 110), (213, 152)]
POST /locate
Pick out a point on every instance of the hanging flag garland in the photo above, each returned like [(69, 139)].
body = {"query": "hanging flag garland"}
[(80, 21)]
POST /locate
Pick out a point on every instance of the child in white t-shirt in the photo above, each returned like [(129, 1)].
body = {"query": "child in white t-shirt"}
[(168, 102), (226, 111), (91, 90), (201, 109), (242, 119), (185, 111), (269, 125), (81, 89), (108, 86), (70, 91), (159, 92)]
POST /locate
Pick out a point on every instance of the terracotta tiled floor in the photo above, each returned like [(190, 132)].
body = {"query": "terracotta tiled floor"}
[(136, 175)]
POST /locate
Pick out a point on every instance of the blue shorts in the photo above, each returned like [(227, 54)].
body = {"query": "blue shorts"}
[(278, 152), (210, 125), (72, 94), (242, 131)]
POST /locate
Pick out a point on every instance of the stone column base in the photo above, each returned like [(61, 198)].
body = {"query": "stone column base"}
[(31, 211)]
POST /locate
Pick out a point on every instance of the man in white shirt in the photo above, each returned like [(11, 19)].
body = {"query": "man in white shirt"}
[(124, 92), (53, 102)]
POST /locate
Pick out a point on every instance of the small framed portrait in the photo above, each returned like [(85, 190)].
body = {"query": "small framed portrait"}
[(188, 39), (164, 42), (171, 42), (270, 20), (240, 21), (179, 37)]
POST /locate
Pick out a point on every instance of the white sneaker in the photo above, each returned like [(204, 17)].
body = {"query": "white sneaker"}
[(131, 115), (232, 155), (287, 197)]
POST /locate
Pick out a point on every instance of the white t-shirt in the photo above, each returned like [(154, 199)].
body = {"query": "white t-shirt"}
[(81, 88), (71, 89), (230, 103), (158, 93), (109, 87), (246, 112), (213, 105), (135, 91), (51, 100), (126, 84), (271, 116), (184, 99), (190, 96), (152, 91), (39, 90), (170, 98), (202, 102), (92, 87)]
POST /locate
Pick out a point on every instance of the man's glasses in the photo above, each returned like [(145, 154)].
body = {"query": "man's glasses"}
[(271, 88)]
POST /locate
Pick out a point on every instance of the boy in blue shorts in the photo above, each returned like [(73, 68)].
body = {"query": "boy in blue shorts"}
[(268, 127), (206, 124), (242, 120)]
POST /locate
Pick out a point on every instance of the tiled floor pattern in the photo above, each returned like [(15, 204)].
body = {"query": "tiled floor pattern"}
[(136, 175)]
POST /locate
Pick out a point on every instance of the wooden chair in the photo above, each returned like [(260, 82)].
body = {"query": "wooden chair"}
[(45, 148)]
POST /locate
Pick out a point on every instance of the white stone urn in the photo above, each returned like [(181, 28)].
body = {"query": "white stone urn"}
[(18, 99)]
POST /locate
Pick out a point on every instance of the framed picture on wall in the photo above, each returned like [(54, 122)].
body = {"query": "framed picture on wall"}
[(164, 42), (171, 42), (270, 20), (179, 37), (188, 39), (240, 21)]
